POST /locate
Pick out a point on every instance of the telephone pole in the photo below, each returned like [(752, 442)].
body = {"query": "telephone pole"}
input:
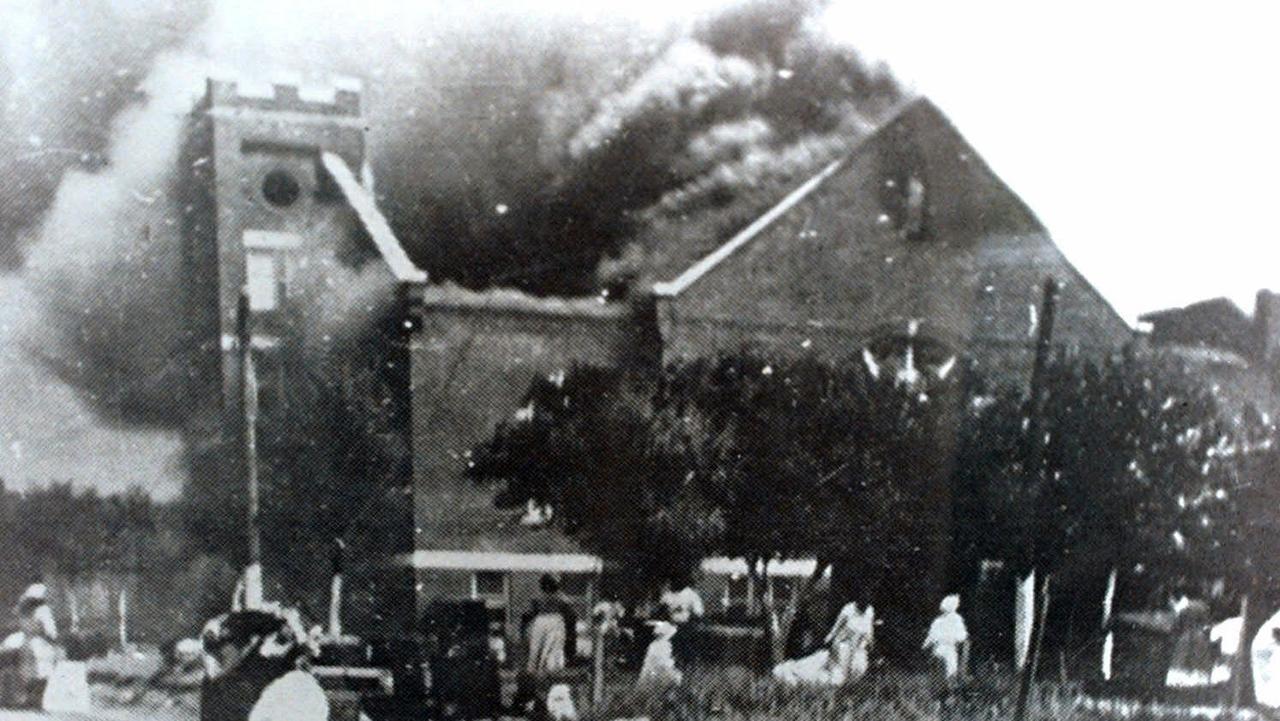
[(1034, 479), (253, 597)]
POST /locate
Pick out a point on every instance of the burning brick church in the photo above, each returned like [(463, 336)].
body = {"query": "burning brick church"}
[(909, 240)]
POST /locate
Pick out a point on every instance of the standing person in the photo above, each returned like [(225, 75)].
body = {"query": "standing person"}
[(684, 608), (948, 639), (850, 639), (40, 637), (547, 625), (546, 630), (1264, 656), (682, 602)]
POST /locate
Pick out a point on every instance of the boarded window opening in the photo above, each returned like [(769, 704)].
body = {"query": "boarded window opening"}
[(262, 281)]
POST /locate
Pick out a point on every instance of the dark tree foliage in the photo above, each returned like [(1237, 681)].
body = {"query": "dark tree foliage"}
[(72, 539), (739, 457), (890, 485), (1130, 470), (1137, 476), (333, 463)]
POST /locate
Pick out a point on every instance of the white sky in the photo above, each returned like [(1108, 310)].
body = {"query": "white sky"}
[(1143, 134)]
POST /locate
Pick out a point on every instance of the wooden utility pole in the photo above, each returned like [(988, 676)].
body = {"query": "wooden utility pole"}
[(122, 608), (253, 596), (1034, 479), (1240, 666), (335, 588)]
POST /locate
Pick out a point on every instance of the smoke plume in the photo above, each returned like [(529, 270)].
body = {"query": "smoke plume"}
[(551, 153)]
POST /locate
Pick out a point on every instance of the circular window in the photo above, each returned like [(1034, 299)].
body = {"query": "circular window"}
[(280, 188)]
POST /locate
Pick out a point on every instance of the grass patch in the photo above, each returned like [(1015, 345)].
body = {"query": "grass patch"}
[(736, 694)]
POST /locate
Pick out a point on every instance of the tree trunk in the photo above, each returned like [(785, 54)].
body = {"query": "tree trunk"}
[(1241, 669)]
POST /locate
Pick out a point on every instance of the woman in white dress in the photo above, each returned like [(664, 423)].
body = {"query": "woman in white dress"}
[(39, 650), (1265, 654), (850, 640), (845, 657)]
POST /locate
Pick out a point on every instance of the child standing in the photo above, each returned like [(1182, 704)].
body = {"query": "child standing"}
[(948, 639)]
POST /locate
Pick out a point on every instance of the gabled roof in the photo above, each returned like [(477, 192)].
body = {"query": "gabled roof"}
[(1214, 323), (1213, 309), (710, 262), (993, 217)]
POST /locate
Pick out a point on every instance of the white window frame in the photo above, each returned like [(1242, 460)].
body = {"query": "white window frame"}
[(262, 279), (476, 595)]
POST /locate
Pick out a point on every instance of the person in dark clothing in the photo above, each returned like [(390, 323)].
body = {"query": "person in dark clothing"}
[(247, 655)]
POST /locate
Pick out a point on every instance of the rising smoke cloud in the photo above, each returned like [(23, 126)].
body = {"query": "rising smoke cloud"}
[(548, 152)]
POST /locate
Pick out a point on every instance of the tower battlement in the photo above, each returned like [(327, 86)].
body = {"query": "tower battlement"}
[(340, 97)]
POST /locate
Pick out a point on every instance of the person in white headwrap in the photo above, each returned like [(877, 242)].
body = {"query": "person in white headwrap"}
[(659, 667), (948, 639), (38, 640)]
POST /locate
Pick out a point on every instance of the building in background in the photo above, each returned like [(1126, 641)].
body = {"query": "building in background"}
[(909, 247), (1237, 352), (908, 241)]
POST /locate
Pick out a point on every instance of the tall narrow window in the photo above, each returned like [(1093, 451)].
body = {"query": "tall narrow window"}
[(913, 220), (261, 280)]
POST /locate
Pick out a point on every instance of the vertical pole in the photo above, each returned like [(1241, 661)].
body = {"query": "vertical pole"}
[(123, 609), (73, 608), (1240, 665), (1034, 472), (597, 664), (335, 589), (1033, 657), (1109, 640), (1024, 620), (253, 596)]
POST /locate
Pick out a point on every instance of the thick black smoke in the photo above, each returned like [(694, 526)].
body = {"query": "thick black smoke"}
[(723, 115), (558, 155)]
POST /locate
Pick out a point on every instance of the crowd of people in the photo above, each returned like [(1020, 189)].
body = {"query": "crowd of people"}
[(673, 623), (255, 661)]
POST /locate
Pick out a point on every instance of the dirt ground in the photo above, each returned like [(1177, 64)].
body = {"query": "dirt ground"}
[(108, 707)]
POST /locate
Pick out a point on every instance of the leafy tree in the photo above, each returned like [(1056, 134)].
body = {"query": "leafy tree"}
[(736, 456), (1132, 478), (333, 463)]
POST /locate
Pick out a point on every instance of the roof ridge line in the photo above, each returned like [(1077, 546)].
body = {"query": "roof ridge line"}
[(709, 262), (372, 220)]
